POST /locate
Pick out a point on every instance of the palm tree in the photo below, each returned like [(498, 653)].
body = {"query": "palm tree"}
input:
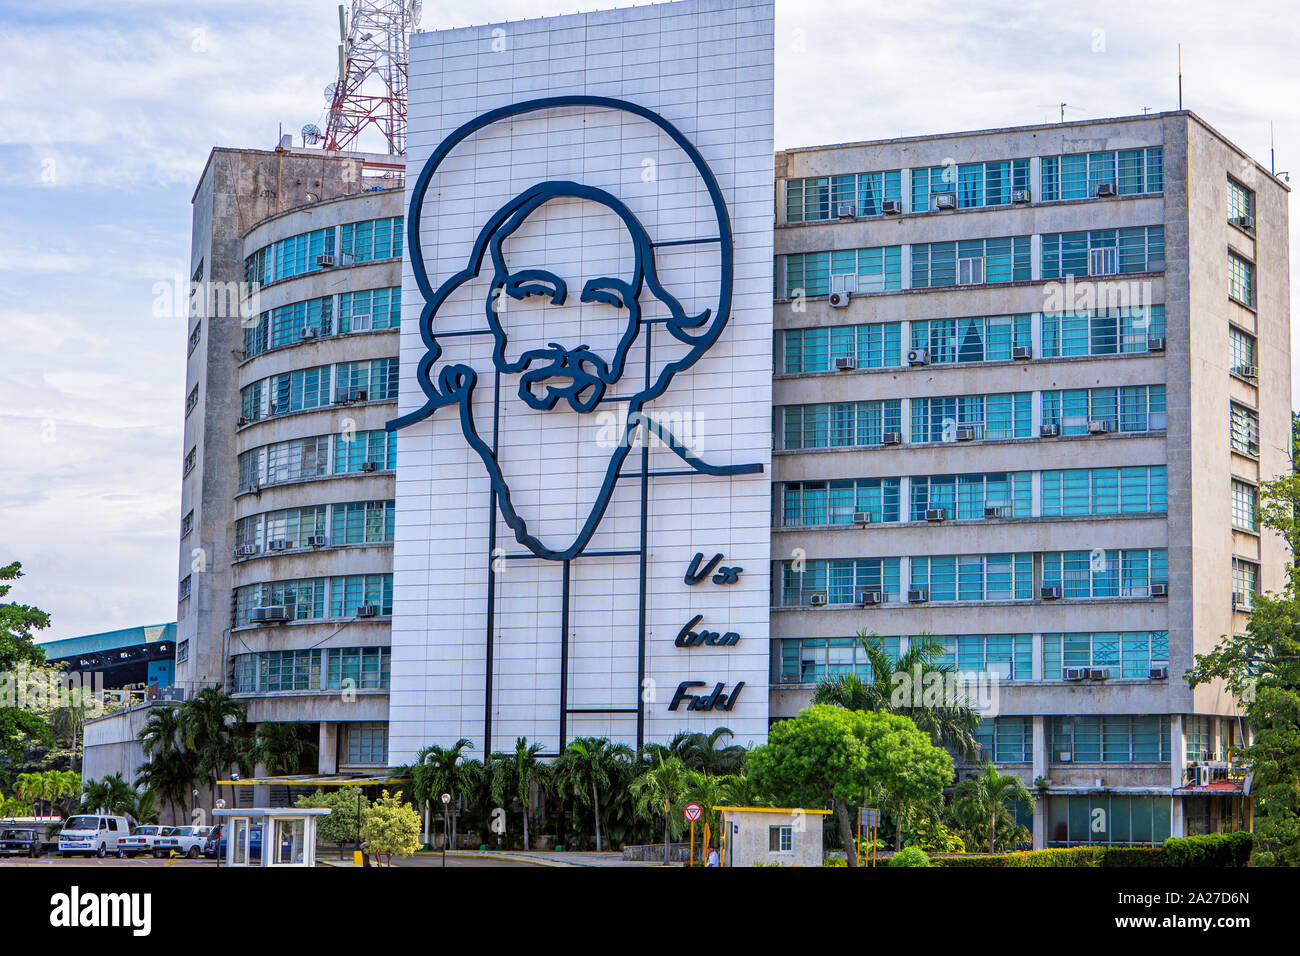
[(950, 724), (285, 747), (659, 792), (31, 790), (524, 771), (586, 767), (213, 727), (111, 795), (709, 792), (988, 793), (700, 751), (169, 768), (59, 784), (440, 770)]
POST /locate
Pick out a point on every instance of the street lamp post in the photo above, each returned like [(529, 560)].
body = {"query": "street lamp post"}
[(446, 826)]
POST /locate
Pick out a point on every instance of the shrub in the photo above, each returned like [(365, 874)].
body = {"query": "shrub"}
[(1215, 849), (910, 856), (835, 861)]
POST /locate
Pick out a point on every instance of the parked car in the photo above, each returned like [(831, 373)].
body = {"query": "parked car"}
[(21, 843), (142, 840), (187, 841), (97, 834), (213, 841)]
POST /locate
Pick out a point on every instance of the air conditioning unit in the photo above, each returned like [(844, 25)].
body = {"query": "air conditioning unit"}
[(307, 333), (1022, 352), (277, 544), (935, 514), (1050, 592), (845, 363), (1240, 600), (891, 438), (324, 261), (1202, 776), (317, 541), (997, 511), (918, 595), (840, 300), (791, 679), (1049, 430), (1098, 427), (1243, 222), (1160, 673), (241, 421), (246, 551), (254, 487), (269, 614), (1248, 371), (1105, 189), (1020, 196), (1155, 343), (862, 517), (1065, 756), (871, 598), (1160, 590), (944, 200), (370, 466), (891, 207), (1098, 673), (367, 610), (817, 600), (966, 433), (918, 356), (1076, 673), (360, 395), (846, 210)]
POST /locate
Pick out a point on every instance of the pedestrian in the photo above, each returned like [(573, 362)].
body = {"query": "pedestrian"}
[(713, 857)]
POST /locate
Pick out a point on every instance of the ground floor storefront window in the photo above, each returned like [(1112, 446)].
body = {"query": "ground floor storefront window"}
[(1108, 819)]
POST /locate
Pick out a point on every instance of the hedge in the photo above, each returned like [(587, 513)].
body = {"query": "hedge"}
[(1217, 850)]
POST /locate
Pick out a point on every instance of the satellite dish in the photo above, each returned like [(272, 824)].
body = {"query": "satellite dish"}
[(311, 133), (330, 91)]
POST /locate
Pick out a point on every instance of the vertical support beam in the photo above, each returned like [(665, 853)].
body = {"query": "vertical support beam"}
[(1040, 770)]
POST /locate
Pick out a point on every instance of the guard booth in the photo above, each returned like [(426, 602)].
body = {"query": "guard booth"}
[(784, 836), (269, 836)]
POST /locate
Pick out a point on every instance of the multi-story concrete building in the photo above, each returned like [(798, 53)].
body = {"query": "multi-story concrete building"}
[(286, 539), (1028, 381)]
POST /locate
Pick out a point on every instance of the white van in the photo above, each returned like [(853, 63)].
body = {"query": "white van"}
[(92, 833)]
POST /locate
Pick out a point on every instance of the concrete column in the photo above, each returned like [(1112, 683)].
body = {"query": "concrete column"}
[(1178, 752), (329, 752), (1036, 256), (1036, 662), (1040, 770), (905, 266), (1036, 178), (1036, 333)]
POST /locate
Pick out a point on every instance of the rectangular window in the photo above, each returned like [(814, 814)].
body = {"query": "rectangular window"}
[(366, 668), (972, 417), (1245, 506), (839, 581), (191, 458), (808, 660), (363, 522), (804, 503), (860, 271), (971, 496), (971, 185), (368, 743), (184, 590), (976, 339), (975, 577), (780, 839), (1128, 654), (1241, 204), (348, 595), (1135, 408), (1241, 280), (365, 451), (821, 198), (1006, 259), (1243, 352), (1129, 172), (1140, 249), (1110, 739), (842, 425), (1123, 820), (1006, 739), (1099, 491), (816, 350), (187, 524), (371, 310), (1102, 573), (191, 400), (195, 336), (1245, 582), (368, 241), (1244, 430), (1102, 331), (290, 257)]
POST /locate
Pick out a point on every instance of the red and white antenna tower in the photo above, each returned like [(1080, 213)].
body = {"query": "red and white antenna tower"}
[(371, 89)]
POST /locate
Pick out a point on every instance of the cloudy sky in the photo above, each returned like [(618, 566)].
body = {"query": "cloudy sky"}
[(108, 109)]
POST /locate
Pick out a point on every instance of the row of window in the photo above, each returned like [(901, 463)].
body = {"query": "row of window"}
[(311, 599), (1103, 252), (353, 522), (1129, 409), (1129, 654), (991, 338), (1067, 493), (1106, 819), (1097, 573), (364, 311), (311, 251), (334, 668), (317, 387), (314, 457), (1128, 172)]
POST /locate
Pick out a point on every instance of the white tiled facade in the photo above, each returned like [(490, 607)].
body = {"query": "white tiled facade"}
[(705, 68)]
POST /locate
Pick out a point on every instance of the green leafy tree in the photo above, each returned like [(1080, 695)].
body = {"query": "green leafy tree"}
[(392, 828), (659, 794), (709, 792), (832, 755), (893, 689), (988, 797), (111, 795), (170, 768), (1261, 669), (345, 804), (524, 772), (586, 767), (19, 726), (440, 770), (214, 728), (703, 752)]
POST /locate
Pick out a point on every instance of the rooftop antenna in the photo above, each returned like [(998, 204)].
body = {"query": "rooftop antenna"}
[(371, 86), (1062, 107), (1180, 77), (1272, 155)]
